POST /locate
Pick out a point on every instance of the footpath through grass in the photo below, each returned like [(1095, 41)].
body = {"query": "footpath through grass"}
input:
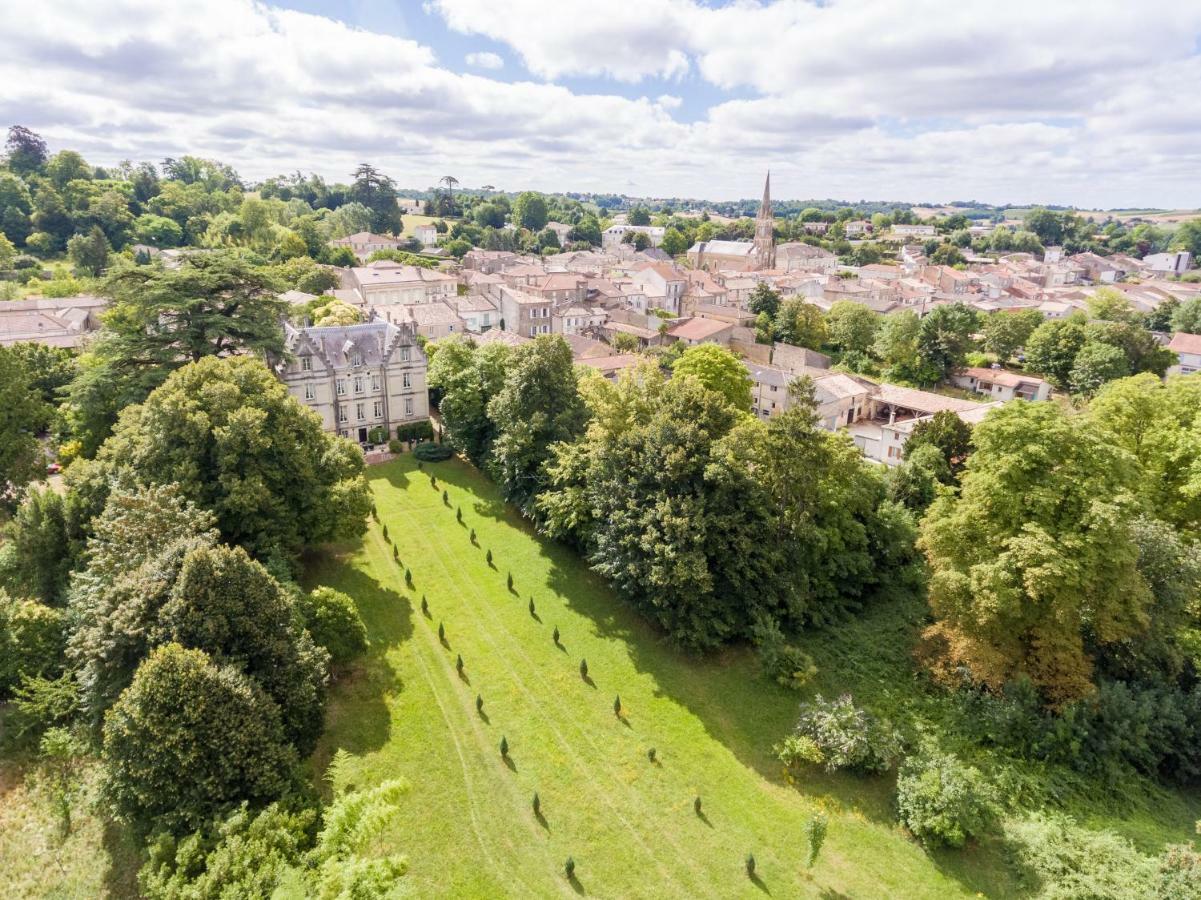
[(468, 826)]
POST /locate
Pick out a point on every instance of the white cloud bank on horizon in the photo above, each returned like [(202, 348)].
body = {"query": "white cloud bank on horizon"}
[(1090, 104)]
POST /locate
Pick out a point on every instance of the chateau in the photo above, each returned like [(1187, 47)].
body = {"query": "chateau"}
[(358, 378)]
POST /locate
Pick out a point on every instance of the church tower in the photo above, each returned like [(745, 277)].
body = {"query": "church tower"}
[(765, 242)]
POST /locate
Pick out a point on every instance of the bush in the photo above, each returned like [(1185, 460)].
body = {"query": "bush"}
[(395, 446), (427, 452), (943, 801), (334, 623), (416, 431), (31, 641), (839, 735), (377, 435), (787, 665)]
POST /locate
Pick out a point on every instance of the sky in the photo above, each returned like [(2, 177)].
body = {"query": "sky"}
[(1091, 103)]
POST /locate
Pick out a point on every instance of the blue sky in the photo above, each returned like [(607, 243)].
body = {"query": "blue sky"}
[(1092, 103)]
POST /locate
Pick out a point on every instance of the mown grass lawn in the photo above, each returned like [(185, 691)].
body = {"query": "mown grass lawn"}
[(468, 827)]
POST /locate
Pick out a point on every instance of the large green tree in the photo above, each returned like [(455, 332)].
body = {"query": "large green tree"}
[(852, 326), (539, 405), (1034, 562), (801, 324), (229, 434), (464, 379), (719, 370), (189, 739), (23, 414), (530, 211), (1007, 332), (944, 338), (213, 305), (377, 192)]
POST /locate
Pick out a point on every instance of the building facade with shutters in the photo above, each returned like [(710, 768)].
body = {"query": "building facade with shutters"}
[(358, 378)]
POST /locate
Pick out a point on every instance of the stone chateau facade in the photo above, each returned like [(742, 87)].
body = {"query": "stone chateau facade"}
[(358, 377)]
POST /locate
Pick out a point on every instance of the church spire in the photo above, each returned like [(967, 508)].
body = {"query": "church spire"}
[(765, 240)]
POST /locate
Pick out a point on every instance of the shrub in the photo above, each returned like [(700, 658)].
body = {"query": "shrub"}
[(1070, 862), (427, 452), (31, 641), (789, 666), (415, 431), (334, 623), (488, 557), (815, 836), (839, 735), (377, 435), (395, 446), (943, 801)]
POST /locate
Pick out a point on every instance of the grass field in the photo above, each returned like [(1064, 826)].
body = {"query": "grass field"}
[(411, 221), (469, 829)]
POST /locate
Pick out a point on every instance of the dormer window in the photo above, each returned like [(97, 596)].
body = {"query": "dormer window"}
[(306, 363), (356, 358)]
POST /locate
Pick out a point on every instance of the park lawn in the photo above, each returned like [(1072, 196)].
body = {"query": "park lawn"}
[(468, 827)]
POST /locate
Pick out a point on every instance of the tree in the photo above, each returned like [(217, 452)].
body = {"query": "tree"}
[(157, 231), (1096, 364), (32, 638), (22, 415), (718, 370), (897, 346), (187, 739), (674, 242), (25, 151), (229, 434), (538, 406), (1187, 317), (852, 326), (801, 324), (67, 166), (942, 801), (89, 253), (639, 215), (1033, 563), (1007, 332), (333, 621), (37, 554), (376, 192), (214, 305), (530, 211), (944, 337), (946, 432), (1111, 305), (947, 254), (1046, 224), (764, 300), (8, 253), (914, 483), (1052, 347), (467, 378)]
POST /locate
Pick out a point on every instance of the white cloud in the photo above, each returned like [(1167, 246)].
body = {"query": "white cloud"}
[(485, 60), (927, 100)]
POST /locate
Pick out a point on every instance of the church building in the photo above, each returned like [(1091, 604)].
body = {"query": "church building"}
[(741, 256)]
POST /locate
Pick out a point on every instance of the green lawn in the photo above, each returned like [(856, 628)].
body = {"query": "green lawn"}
[(468, 827)]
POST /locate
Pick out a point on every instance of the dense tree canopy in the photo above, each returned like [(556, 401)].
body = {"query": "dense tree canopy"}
[(719, 370), (228, 433), (23, 415), (1034, 562)]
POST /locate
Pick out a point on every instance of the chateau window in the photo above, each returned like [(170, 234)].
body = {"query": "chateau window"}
[(356, 358), (342, 417), (378, 408), (310, 392), (306, 363), (374, 382), (341, 387), (406, 380), (360, 411), (404, 354), (358, 384), (408, 407)]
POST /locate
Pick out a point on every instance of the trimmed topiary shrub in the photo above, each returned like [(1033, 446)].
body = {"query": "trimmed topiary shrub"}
[(839, 735), (943, 801), (427, 452), (504, 746)]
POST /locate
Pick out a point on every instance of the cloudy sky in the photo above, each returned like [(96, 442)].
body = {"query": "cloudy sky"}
[(1085, 102)]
